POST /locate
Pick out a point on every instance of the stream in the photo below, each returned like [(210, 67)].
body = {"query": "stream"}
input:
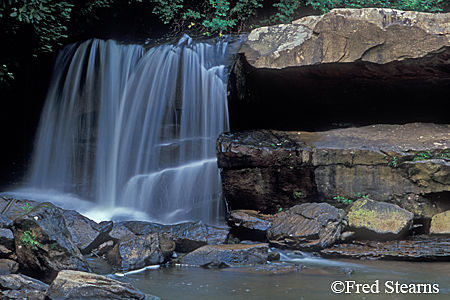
[(312, 282)]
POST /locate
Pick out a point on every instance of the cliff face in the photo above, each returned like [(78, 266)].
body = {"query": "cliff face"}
[(348, 66), (361, 97)]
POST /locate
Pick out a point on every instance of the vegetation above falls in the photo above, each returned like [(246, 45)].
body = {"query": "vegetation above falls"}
[(41, 25)]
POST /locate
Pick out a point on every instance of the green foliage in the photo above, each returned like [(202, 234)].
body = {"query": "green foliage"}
[(27, 208), (285, 10), (29, 239), (393, 162), (423, 155), (361, 196), (343, 200), (415, 5)]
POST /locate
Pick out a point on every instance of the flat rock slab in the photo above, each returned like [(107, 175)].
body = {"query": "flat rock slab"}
[(266, 170), (378, 220), (82, 285), (250, 219), (417, 248), (227, 255), (307, 226)]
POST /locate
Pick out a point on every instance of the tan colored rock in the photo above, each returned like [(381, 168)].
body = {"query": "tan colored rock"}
[(348, 35), (440, 223), (378, 220)]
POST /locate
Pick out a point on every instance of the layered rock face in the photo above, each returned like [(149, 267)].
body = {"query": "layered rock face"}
[(349, 66), (409, 165)]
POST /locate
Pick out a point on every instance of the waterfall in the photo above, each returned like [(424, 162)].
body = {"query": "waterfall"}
[(133, 129)]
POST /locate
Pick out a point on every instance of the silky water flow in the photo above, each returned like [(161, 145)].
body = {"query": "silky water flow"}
[(134, 131)]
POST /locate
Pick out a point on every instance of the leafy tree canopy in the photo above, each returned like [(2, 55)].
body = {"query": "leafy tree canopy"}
[(40, 25)]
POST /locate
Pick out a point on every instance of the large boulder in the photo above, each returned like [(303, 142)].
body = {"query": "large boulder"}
[(188, 236), (227, 255), (136, 252), (82, 285), (266, 170), (307, 226), (86, 233), (44, 245), (440, 223), (378, 220)]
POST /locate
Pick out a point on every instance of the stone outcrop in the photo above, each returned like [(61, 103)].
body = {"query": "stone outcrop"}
[(308, 226), (406, 164), (378, 220), (349, 66), (227, 255), (44, 245), (250, 219), (348, 35)]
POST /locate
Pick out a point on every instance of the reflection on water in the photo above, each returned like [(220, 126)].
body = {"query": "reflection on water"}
[(311, 283)]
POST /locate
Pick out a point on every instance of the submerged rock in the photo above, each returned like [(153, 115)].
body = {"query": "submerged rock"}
[(378, 220), (18, 286), (44, 245), (227, 255), (276, 269), (416, 248), (136, 252), (307, 226), (81, 285)]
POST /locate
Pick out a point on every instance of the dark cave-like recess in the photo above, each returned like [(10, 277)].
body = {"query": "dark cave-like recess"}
[(326, 96)]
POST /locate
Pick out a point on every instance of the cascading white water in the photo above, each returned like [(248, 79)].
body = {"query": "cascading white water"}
[(133, 129)]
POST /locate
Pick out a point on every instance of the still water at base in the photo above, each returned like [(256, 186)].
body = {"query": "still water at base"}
[(311, 282)]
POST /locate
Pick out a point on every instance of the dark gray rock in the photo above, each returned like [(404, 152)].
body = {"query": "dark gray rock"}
[(8, 266), (44, 244), (81, 285), (276, 269), (7, 238), (86, 233), (188, 236), (18, 286), (307, 226), (227, 255), (136, 252), (5, 222)]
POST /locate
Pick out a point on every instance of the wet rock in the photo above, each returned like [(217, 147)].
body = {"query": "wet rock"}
[(188, 236), (378, 220), (227, 255), (7, 253), (415, 248), (7, 238), (250, 219), (136, 252), (276, 269), (5, 222), (347, 236), (119, 231), (393, 163), (15, 208), (81, 285), (86, 233), (18, 286), (44, 244), (440, 223), (307, 226), (8, 266), (103, 249), (273, 256)]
